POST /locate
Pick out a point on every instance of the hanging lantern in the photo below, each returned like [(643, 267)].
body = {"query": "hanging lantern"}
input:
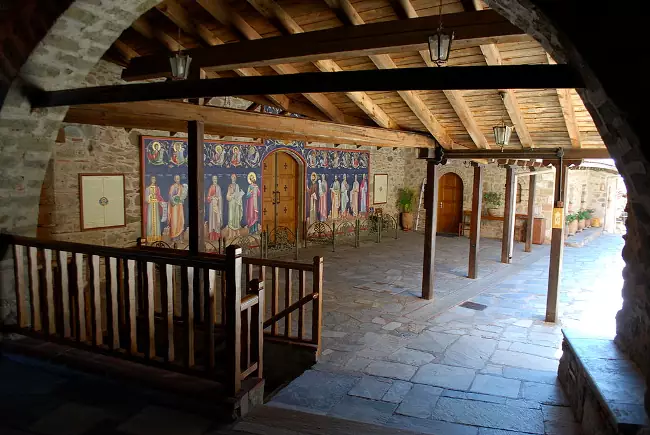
[(440, 46), (502, 134), (180, 64)]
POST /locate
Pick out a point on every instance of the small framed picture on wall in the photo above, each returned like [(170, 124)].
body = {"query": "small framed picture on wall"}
[(101, 198), (380, 191)]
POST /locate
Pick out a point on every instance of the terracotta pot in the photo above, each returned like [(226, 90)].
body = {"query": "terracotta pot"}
[(495, 212), (572, 227), (581, 224), (595, 222), (407, 221)]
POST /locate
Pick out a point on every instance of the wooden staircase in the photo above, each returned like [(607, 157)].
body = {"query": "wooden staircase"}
[(271, 420)]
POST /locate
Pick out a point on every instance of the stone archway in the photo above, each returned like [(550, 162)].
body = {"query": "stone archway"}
[(87, 28)]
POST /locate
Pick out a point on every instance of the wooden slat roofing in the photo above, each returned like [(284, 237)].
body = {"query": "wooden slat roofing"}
[(541, 112)]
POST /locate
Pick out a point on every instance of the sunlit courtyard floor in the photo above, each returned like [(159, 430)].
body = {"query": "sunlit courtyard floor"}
[(393, 359)]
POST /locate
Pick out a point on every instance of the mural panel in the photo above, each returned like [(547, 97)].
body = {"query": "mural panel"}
[(335, 186)]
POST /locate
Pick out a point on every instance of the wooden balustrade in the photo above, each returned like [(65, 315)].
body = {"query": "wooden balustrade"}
[(124, 303)]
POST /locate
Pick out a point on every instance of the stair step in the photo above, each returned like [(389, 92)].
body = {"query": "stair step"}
[(271, 420)]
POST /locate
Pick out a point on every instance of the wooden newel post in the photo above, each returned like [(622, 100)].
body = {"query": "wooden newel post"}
[(431, 207), (475, 224), (317, 315), (195, 183), (257, 327), (532, 184), (509, 216), (557, 243), (233, 318)]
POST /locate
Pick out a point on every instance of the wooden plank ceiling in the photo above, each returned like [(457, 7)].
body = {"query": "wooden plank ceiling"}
[(544, 118)]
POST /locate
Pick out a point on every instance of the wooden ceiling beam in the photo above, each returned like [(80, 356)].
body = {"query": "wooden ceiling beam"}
[(173, 116), (125, 50), (464, 77), (220, 10), (275, 13), (384, 61), (493, 58), (455, 98), (176, 13), (568, 111), (143, 27), (471, 28), (527, 154)]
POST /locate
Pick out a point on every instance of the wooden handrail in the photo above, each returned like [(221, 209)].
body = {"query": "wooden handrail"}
[(249, 301), (291, 308), (176, 258)]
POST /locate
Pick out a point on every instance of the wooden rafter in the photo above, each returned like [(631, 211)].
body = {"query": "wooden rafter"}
[(173, 116), (176, 13), (384, 61), (455, 98), (493, 58), (568, 111), (143, 27), (471, 28), (220, 10), (274, 12)]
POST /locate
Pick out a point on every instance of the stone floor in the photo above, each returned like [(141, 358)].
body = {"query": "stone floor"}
[(394, 360), (389, 357)]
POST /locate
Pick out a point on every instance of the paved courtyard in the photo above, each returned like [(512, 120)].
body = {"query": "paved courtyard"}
[(395, 360)]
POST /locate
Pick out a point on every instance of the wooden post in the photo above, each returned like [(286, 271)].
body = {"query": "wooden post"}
[(317, 308), (475, 224), (532, 181), (233, 319), (195, 185), (509, 216), (431, 206), (557, 245), (257, 327)]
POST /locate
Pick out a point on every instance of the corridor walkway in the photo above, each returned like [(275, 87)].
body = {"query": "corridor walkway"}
[(397, 361)]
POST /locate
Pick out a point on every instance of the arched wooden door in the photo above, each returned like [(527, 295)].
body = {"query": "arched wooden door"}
[(280, 173), (450, 203)]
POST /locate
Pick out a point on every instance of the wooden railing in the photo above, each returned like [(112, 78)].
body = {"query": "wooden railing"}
[(142, 306), (288, 317)]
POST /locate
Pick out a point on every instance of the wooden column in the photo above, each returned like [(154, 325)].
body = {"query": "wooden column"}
[(509, 216), (475, 223), (557, 245), (195, 185), (431, 208), (532, 184)]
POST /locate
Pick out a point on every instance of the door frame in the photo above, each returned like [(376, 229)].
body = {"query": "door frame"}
[(300, 194), (462, 192)]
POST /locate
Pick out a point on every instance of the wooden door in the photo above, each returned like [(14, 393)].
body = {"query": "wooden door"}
[(280, 175), (450, 203), (287, 186), (268, 195)]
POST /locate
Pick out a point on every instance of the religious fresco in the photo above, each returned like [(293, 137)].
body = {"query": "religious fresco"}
[(335, 186)]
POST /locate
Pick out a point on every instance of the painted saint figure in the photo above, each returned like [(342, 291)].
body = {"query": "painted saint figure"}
[(322, 198), (252, 208), (154, 211), (215, 210), (176, 213), (336, 197), (235, 161), (354, 197), (344, 196), (235, 207), (363, 195), (155, 154), (313, 198), (178, 156), (217, 156)]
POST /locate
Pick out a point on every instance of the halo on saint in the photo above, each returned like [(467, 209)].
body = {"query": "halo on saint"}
[(178, 146), (252, 178), (155, 146), (218, 148), (314, 177)]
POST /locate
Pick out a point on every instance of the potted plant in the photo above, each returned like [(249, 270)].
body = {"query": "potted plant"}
[(492, 202), (582, 216), (589, 221), (405, 198), (572, 223)]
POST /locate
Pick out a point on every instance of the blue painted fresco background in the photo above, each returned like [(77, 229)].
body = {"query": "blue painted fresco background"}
[(165, 158)]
